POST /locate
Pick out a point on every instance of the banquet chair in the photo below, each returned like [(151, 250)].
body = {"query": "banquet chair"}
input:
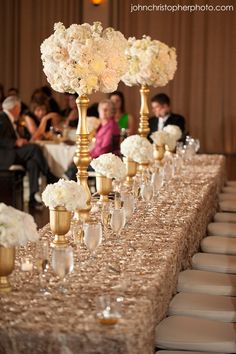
[(229, 189), (225, 217), (228, 206), (220, 263), (231, 183), (181, 352), (195, 334), (219, 245), (227, 196), (221, 229)]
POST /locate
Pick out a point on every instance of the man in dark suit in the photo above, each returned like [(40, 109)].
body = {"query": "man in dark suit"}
[(162, 114), (15, 150)]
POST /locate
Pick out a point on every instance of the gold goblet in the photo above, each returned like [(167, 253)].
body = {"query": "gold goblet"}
[(60, 220), (104, 187), (7, 262), (131, 170)]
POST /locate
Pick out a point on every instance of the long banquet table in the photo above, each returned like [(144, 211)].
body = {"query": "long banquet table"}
[(152, 250)]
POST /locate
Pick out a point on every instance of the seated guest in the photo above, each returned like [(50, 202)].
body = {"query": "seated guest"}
[(15, 150), (72, 117), (53, 105), (107, 136), (15, 92), (124, 119), (108, 133), (162, 114), (39, 122)]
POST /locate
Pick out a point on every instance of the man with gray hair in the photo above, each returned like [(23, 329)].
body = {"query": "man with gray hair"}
[(15, 150)]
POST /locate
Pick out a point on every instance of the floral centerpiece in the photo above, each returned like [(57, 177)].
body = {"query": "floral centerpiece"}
[(137, 148), (151, 63), (62, 198), (107, 166), (84, 59), (174, 134), (159, 137), (16, 229)]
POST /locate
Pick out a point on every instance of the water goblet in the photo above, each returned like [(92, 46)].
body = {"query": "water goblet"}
[(92, 237), (62, 264), (42, 264), (128, 205), (146, 192), (117, 221)]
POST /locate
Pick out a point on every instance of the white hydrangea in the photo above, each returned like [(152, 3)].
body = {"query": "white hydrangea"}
[(137, 148), (84, 58), (159, 137), (67, 194), (151, 62), (109, 165), (173, 130), (16, 227)]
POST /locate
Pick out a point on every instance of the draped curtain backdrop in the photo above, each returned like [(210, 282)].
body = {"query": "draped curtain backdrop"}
[(204, 85)]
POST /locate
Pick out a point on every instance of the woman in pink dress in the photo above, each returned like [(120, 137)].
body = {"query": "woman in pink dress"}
[(108, 132)]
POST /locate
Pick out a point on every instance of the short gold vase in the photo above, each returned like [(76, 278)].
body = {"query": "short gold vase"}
[(60, 220), (7, 263), (131, 170), (158, 152), (143, 166), (104, 187)]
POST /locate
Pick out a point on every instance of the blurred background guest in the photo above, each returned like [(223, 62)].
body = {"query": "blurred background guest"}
[(72, 113), (124, 119), (161, 108), (107, 138), (13, 91), (40, 122), (16, 150)]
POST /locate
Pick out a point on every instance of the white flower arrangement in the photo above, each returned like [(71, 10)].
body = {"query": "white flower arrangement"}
[(137, 148), (160, 137), (173, 130), (151, 62), (84, 58), (16, 227), (109, 165), (67, 194)]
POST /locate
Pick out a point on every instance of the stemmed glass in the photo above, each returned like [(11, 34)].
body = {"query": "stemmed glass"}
[(92, 237), (128, 205), (157, 182), (117, 221), (146, 191), (105, 217), (62, 264), (42, 264)]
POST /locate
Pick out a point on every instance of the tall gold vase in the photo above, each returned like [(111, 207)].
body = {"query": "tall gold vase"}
[(131, 170), (7, 262), (60, 220), (144, 112), (82, 157), (104, 187)]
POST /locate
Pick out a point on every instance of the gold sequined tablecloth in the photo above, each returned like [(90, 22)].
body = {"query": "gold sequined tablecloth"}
[(152, 250)]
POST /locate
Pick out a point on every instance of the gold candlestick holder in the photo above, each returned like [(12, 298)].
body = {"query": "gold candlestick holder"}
[(144, 112), (7, 263), (82, 157), (60, 220)]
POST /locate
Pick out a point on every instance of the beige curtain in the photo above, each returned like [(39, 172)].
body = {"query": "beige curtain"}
[(204, 86)]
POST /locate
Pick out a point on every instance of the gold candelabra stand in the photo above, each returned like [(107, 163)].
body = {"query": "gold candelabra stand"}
[(82, 157), (143, 123)]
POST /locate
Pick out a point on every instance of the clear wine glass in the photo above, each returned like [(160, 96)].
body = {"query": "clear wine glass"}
[(157, 182), (62, 264), (92, 237), (128, 205), (117, 221), (42, 264), (146, 192)]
